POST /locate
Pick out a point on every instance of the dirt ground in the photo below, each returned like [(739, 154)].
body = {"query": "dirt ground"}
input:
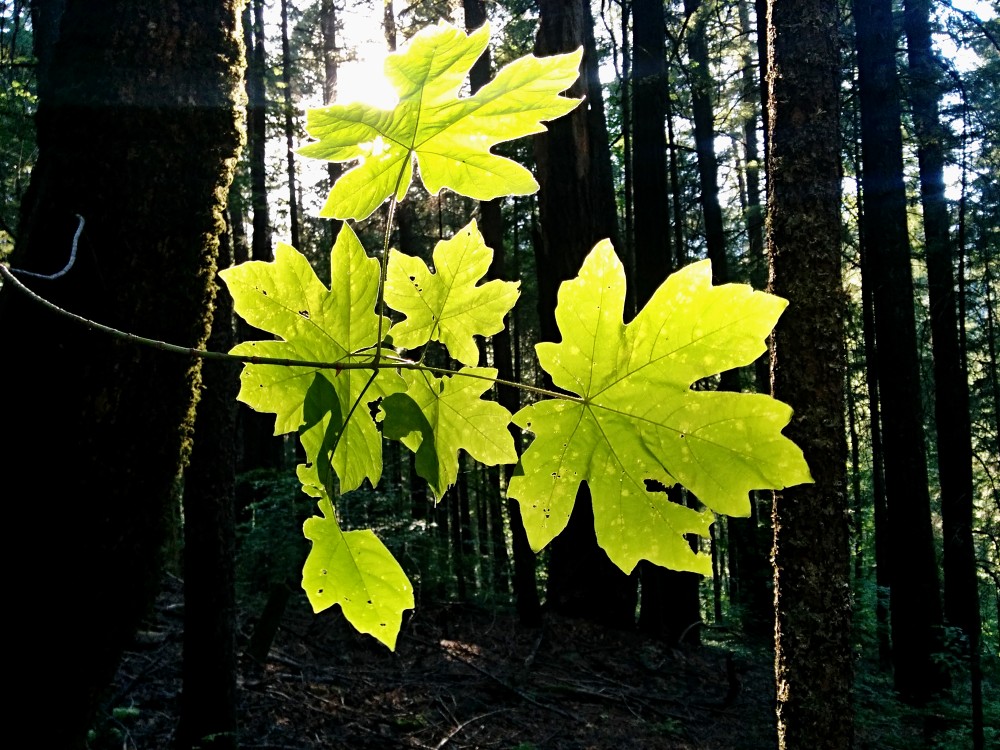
[(461, 677)]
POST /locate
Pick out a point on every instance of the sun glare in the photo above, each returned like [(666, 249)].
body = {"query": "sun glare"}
[(363, 80)]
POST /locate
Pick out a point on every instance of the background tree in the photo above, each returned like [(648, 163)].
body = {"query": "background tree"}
[(915, 598), (951, 380), (575, 213)]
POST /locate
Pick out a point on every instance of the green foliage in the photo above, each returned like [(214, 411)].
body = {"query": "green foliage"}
[(630, 416), (353, 569), (269, 537), (436, 417), (316, 324)]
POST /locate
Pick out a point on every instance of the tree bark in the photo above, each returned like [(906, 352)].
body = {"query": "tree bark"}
[(813, 654), (670, 599), (288, 112), (139, 135), (914, 598)]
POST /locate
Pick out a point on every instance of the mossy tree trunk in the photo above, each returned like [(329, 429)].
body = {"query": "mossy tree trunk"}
[(138, 133)]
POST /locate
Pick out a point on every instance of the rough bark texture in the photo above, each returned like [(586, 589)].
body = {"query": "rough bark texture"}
[(139, 135), (914, 599), (577, 209), (813, 656)]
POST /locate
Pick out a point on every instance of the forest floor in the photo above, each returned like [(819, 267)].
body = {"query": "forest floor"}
[(461, 677), (469, 677)]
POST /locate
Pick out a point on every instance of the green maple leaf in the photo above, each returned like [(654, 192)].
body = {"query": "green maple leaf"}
[(353, 569), (449, 136), (446, 305), (635, 418), (436, 417), (316, 324)]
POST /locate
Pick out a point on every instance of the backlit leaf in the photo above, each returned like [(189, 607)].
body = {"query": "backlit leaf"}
[(353, 569), (446, 305), (336, 325), (449, 136), (634, 416), (436, 417)]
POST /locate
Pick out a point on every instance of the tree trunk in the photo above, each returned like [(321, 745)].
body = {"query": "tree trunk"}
[(260, 447), (491, 225), (670, 599), (208, 695), (577, 208), (650, 89), (139, 135), (951, 381), (749, 543), (257, 134), (704, 136), (813, 654), (289, 118), (914, 598), (879, 509)]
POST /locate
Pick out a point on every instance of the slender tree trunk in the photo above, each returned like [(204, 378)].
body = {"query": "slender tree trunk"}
[(951, 382), (257, 135), (329, 26), (491, 225), (650, 87), (879, 509), (289, 116), (577, 208), (138, 84), (702, 86), (628, 160), (670, 599), (813, 655), (208, 696), (261, 448), (914, 599)]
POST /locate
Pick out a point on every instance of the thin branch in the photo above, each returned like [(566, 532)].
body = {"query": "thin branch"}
[(69, 264), (382, 363)]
